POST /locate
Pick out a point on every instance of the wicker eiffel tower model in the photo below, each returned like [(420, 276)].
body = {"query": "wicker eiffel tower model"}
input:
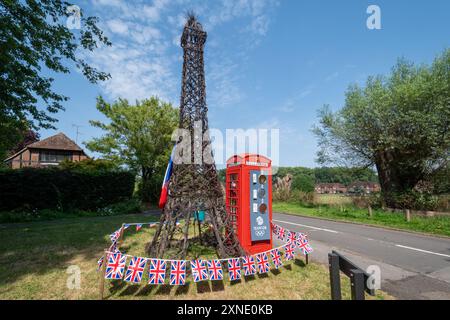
[(194, 183)]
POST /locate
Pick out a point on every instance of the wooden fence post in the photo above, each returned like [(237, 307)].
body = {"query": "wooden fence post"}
[(369, 209), (102, 279), (408, 215)]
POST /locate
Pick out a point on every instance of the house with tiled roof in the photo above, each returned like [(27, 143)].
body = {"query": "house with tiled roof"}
[(332, 188), (363, 187), (47, 152)]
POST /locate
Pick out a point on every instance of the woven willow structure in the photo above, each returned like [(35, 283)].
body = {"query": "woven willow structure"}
[(194, 184)]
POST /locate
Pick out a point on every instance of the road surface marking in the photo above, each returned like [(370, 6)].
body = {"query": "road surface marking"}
[(421, 250), (304, 225)]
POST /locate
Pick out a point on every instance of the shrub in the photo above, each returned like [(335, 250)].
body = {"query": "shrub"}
[(62, 189), (304, 198), (416, 200), (125, 207)]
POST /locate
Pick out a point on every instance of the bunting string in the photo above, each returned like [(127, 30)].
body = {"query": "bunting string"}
[(201, 269)]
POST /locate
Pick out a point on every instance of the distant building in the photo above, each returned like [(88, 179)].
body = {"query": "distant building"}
[(363, 187), (48, 152), (331, 188)]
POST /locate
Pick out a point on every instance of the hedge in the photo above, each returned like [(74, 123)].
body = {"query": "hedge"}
[(56, 188)]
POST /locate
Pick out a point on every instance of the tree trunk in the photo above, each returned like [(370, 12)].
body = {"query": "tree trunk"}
[(395, 175), (146, 176)]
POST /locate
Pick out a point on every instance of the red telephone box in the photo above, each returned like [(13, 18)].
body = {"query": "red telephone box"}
[(249, 200)]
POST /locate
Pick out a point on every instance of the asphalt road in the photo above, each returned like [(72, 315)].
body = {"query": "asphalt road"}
[(413, 266)]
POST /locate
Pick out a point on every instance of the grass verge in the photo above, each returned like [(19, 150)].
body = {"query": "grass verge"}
[(431, 225), (34, 258)]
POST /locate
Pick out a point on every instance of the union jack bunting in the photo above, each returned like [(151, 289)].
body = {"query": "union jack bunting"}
[(303, 245), (291, 237), (199, 271), (289, 251), (248, 263), (215, 270), (115, 266), (113, 248), (276, 257), (274, 227), (234, 269), (100, 262), (115, 235), (126, 226), (135, 270), (263, 262), (138, 227), (281, 233), (156, 271), (177, 273)]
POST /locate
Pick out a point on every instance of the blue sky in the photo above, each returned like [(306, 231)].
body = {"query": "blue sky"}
[(269, 64)]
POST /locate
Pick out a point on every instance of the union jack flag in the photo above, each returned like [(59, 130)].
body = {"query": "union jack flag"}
[(177, 273), (289, 251), (157, 271), (138, 227), (115, 235), (303, 245), (115, 266), (135, 270), (249, 265), (291, 236), (199, 271), (215, 270), (234, 269), (126, 226), (274, 227), (276, 257), (281, 233), (100, 262), (263, 262)]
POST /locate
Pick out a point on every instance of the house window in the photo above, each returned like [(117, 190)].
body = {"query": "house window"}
[(54, 156)]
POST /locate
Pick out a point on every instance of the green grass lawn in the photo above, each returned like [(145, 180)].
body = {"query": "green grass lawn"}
[(432, 225), (34, 258)]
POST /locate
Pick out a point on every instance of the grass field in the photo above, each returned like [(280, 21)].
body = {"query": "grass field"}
[(34, 258), (432, 225), (332, 199)]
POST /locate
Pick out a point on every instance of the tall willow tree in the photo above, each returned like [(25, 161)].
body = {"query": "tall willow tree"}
[(399, 124), (138, 136)]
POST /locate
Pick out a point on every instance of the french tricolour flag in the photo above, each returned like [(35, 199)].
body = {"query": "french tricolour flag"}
[(165, 185)]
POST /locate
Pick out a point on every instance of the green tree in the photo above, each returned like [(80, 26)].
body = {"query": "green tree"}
[(138, 136), (398, 123), (303, 183), (35, 40)]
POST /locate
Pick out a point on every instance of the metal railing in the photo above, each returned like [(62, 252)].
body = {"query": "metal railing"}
[(359, 279)]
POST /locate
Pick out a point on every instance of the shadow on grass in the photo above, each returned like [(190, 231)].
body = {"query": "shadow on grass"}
[(235, 282), (183, 289), (217, 285), (275, 272), (300, 263), (131, 289), (263, 275), (164, 289), (203, 287), (146, 290), (38, 248)]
